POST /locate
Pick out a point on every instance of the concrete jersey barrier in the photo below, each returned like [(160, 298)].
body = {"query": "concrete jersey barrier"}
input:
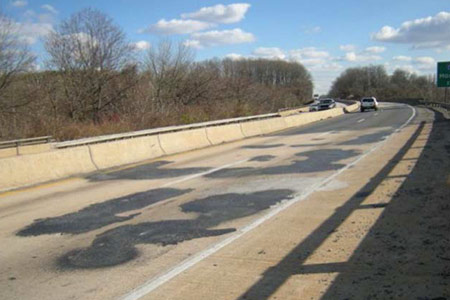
[(19, 171), (107, 155), (182, 141), (225, 133)]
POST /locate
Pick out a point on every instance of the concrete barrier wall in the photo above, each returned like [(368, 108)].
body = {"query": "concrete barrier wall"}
[(8, 152), (181, 141), (24, 150), (23, 170), (297, 120), (31, 149), (272, 125), (19, 171), (351, 108), (224, 133), (107, 155), (252, 128)]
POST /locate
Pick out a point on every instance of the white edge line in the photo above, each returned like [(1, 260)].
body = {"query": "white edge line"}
[(362, 120), (153, 283)]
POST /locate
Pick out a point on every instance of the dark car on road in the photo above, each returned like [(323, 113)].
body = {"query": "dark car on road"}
[(326, 104)]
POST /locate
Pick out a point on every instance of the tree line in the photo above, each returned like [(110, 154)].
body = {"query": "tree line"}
[(95, 82), (375, 81)]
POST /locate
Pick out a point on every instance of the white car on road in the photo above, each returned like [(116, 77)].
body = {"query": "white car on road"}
[(369, 103)]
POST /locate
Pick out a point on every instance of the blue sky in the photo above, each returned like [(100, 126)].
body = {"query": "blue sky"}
[(327, 36)]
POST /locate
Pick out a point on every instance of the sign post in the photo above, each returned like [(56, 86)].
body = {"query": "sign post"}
[(443, 76)]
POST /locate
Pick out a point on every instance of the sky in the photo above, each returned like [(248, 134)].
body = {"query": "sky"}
[(326, 36)]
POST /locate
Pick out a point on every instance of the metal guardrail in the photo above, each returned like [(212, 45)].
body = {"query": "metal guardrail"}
[(147, 132), (26, 142), (436, 104)]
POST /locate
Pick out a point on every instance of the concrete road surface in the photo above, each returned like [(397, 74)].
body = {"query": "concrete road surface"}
[(348, 207)]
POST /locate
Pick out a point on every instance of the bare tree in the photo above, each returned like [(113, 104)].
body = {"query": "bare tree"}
[(168, 66), (15, 59), (90, 52)]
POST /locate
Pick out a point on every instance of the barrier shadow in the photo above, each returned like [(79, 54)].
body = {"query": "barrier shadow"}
[(363, 265)]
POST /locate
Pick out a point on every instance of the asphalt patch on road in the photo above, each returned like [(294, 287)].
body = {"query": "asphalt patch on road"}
[(117, 245), (262, 158), (263, 146), (99, 215), (148, 171), (368, 138), (307, 145), (317, 161)]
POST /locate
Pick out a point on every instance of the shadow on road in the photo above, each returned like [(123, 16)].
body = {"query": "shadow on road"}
[(406, 253)]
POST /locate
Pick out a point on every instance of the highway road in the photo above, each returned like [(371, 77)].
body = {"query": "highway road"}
[(238, 220)]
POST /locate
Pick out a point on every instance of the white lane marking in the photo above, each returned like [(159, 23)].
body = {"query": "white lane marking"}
[(154, 283), (375, 114), (204, 173), (322, 134), (362, 120)]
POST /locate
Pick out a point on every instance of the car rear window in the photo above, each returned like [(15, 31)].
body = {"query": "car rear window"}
[(368, 100), (326, 101)]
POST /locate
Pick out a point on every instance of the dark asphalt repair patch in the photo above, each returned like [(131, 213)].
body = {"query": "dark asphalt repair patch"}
[(148, 171), (368, 138), (263, 146), (262, 158), (317, 161), (99, 215), (117, 245), (308, 145)]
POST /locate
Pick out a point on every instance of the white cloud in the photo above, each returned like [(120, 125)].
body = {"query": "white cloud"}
[(375, 49), (234, 56), (308, 53), (430, 32), (217, 38), (19, 3), (424, 60), (353, 57), (311, 62), (31, 32), (50, 9), (347, 48), (402, 58), (408, 68), (175, 26), (311, 57), (269, 53), (142, 45), (313, 30), (425, 63), (220, 13), (419, 65)]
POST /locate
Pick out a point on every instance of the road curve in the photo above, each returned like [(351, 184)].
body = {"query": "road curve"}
[(129, 231)]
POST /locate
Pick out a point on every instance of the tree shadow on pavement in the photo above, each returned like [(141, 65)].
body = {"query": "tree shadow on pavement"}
[(406, 253)]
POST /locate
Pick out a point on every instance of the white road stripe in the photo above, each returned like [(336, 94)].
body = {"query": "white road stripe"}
[(154, 283), (322, 134), (362, 120)]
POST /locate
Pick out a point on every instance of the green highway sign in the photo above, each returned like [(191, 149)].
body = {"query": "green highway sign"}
[(443, 74)]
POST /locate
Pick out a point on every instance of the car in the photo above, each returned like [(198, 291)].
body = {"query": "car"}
[(326, 104), (369, 103), (314, 107)]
